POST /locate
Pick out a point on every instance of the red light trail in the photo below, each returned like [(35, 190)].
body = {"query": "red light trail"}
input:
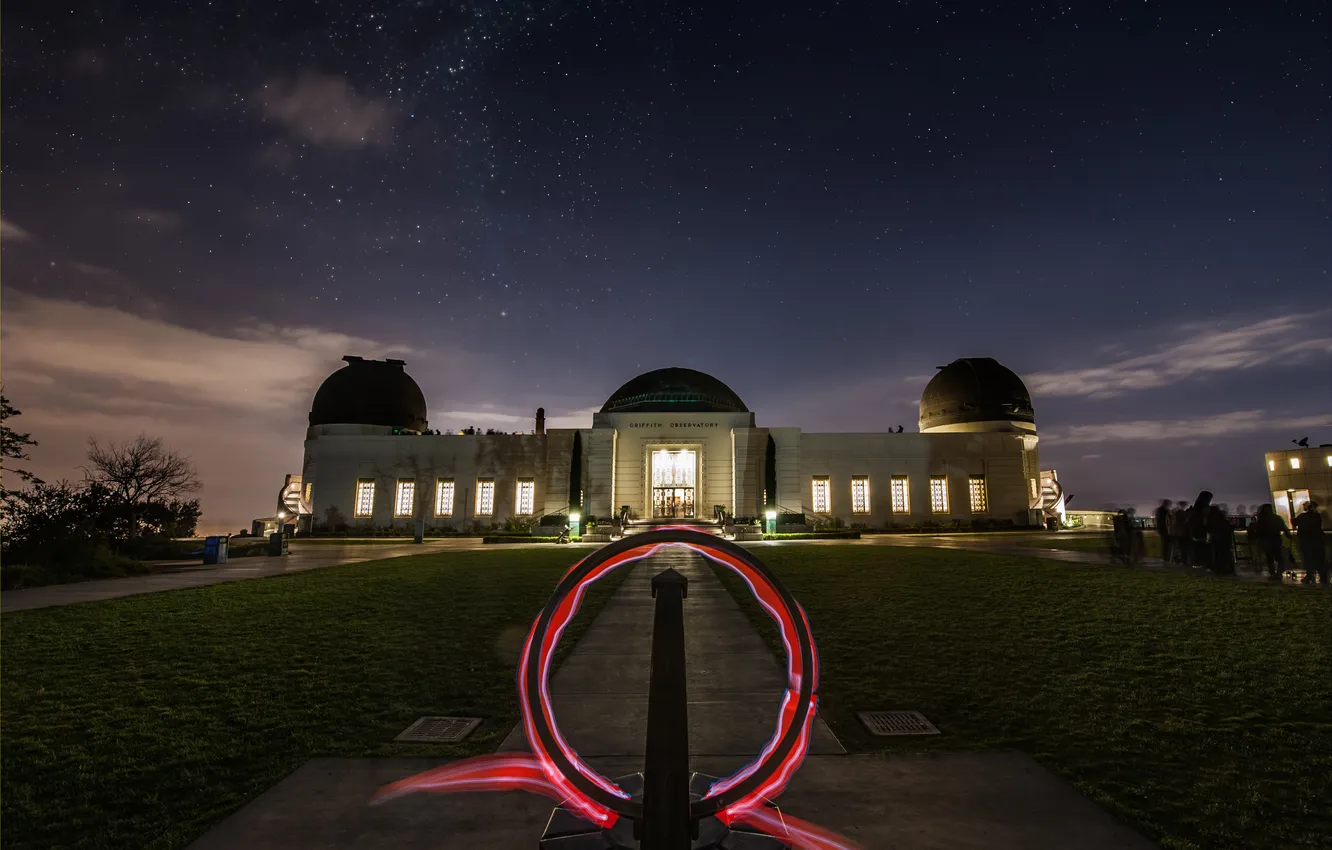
[(555, 770)]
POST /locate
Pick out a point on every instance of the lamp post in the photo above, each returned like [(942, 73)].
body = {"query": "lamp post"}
[(281, 518), (771, 516)]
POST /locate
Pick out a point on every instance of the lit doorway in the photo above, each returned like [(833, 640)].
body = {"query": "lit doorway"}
[(674, 472)]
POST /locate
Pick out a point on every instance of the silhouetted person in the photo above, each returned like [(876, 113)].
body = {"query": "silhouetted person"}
[(1179, 538), (1198, 516), (1163, 528), (1221, 540), (1119, 536), (1135, 537), (1265, 539), (1309, 536)]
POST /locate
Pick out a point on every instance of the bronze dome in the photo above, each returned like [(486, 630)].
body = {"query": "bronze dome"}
[(674, 391), (974, 389), (370, 392)]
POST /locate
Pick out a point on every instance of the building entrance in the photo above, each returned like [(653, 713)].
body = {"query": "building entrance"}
[(674, 472)]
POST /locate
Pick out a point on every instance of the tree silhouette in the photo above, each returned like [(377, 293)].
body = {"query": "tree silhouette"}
[(13, 446)]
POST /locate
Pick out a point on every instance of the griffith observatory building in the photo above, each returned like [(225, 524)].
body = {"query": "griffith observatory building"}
[(671, 444)]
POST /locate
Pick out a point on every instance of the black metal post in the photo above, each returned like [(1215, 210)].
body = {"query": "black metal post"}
[(665, 823)]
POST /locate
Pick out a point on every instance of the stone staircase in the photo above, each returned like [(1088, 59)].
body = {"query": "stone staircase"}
[(704, 526)]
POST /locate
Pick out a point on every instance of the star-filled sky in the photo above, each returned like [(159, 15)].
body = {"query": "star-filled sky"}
[(207, 204)]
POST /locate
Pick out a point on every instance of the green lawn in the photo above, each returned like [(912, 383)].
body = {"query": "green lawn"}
[(1197, 710), (140, 722)]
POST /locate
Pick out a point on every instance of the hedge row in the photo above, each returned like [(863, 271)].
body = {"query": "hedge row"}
[(815, 535)]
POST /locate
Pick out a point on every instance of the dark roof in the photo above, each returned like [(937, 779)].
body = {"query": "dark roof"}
[(974, 389), (674, 391), (370, 392)]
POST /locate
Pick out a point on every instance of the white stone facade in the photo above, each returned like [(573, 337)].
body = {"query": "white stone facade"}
[(703, 460)]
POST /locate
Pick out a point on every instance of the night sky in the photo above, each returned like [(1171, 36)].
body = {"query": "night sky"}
[(207, 204)]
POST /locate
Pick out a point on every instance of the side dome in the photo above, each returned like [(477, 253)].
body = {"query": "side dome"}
[(370, 392), (674, 391), (976, 394)]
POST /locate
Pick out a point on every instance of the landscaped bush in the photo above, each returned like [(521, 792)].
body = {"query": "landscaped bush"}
[(815, 535), (98, 562)]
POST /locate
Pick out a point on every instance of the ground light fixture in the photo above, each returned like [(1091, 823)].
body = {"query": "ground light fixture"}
[(555, 770)]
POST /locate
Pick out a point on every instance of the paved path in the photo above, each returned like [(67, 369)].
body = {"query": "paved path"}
[(1012, 544), (998, 801), (734, 682), (311, 556)]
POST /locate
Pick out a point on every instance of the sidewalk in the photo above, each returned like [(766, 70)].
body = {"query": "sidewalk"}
[(197, 575), (734, 683)]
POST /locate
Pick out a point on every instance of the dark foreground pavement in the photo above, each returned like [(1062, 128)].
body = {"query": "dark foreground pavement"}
[(906, 802)]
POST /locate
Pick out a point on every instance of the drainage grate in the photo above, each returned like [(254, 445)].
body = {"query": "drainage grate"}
[(439, 730), (896, 723)]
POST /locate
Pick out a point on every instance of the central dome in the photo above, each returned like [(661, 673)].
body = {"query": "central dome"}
[(674, 391)]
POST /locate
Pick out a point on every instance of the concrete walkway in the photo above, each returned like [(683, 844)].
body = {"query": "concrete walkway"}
[(311, 556), (1010, 544), (734, 682), (997, 801)]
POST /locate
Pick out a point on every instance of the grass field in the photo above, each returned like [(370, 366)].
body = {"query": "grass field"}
[(140, 722), (1197, 710)]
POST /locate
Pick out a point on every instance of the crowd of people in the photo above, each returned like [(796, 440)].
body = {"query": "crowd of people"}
[(1203, 535)]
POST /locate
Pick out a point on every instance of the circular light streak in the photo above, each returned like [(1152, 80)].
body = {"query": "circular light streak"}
[(596, 797)]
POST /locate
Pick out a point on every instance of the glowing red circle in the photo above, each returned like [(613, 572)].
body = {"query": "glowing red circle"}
[(596, 797)]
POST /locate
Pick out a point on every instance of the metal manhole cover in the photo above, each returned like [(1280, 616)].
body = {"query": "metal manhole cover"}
[(896, 723), (439, 730)]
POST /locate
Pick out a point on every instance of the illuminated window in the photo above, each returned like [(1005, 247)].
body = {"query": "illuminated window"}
[(444, 497), (365, 498), (821, 494), (309, 491), (405, 500), (1035, 489), (485, 497), (901, 495), (1329, 460), (939, 495), (1271, 466), (1294, 463), (976, 488), (526, 496), (860, 503)]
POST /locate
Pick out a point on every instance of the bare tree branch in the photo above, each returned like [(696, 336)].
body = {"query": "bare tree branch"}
[(142, 470)]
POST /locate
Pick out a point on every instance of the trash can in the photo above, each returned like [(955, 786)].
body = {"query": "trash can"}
[(277, 543), (215, 550)]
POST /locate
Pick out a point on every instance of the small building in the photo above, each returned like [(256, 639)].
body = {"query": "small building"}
[(669, 444), (1299, 475)]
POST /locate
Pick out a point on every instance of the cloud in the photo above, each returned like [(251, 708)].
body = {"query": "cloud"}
[(1221, 425), (90, 268), (11, 231), (324, 110), (1200, 351), (235, 403), (161, 219)]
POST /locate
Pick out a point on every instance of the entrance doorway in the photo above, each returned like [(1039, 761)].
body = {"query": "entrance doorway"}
[(673, 475)]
